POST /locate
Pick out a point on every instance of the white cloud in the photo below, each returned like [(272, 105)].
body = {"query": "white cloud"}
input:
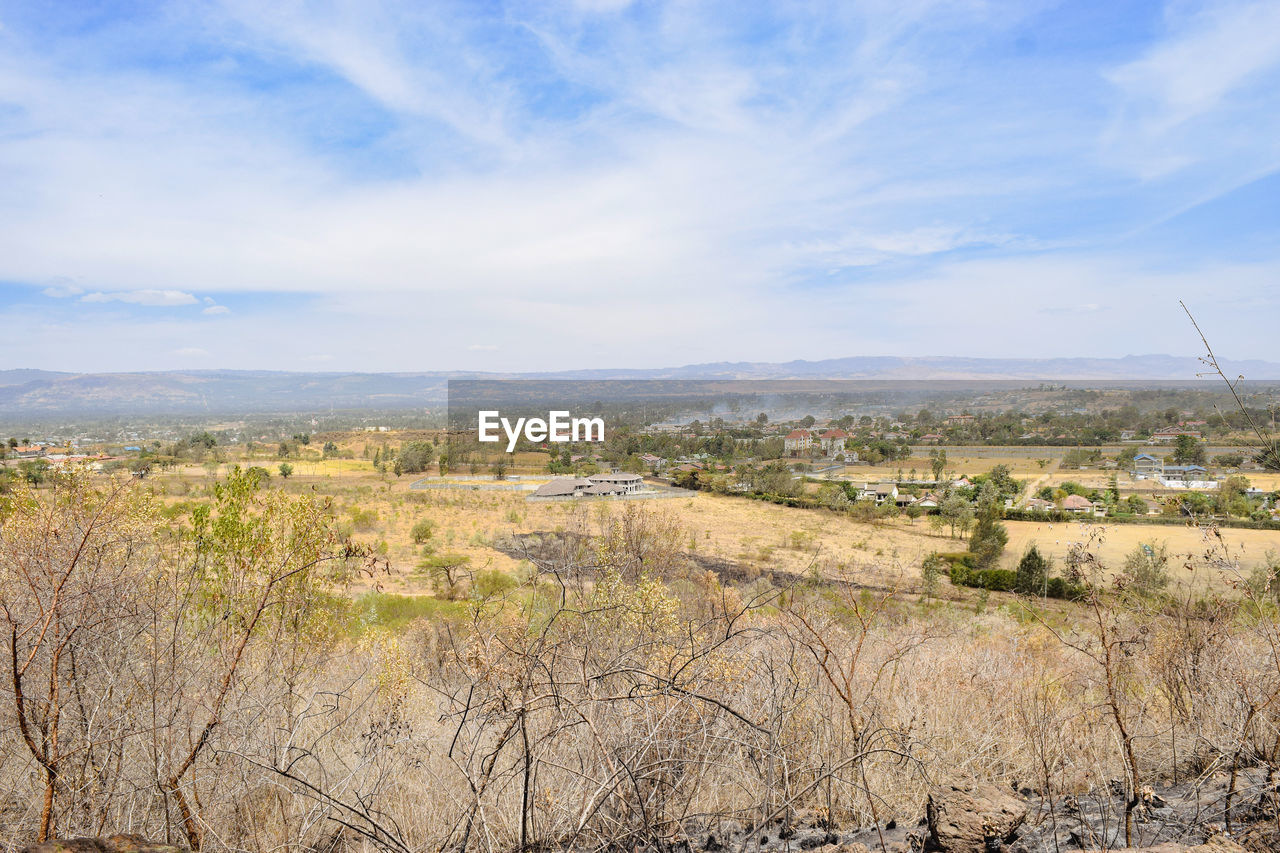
[(1210, 53), (142, 297), (62, 291), (697, 174), (192, 352)]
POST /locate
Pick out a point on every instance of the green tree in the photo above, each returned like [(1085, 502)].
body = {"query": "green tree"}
[(1188, 451), (988, 539), (1145, 570), (416, 457), (937, 463), (931, 571), (286, 470), (958, 512), (1033, 572)]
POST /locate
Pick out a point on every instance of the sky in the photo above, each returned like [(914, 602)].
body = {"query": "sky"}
[(382, 186)]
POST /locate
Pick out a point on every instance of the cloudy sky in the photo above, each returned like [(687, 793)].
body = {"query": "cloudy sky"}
[(381, 186)]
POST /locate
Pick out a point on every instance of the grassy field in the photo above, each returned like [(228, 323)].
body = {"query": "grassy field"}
[(755, 537)]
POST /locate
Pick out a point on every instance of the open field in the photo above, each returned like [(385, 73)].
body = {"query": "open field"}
[(732, 655), (757, 537)]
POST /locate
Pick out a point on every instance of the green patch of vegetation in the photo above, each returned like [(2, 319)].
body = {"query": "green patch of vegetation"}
[(387, 610)]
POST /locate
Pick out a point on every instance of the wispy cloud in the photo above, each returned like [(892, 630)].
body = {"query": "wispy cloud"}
[(750, 179), (142, 297)]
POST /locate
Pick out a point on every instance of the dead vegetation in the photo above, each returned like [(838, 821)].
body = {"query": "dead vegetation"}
[(187, 676)]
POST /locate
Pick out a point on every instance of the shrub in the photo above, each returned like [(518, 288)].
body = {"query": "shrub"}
[(422, 531)]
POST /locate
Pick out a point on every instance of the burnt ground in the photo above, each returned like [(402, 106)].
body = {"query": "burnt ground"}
[(1185, 814)]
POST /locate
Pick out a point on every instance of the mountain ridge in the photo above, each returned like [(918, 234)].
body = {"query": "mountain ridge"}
[(31, 391)]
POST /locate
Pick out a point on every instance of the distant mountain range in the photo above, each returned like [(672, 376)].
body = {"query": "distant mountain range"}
[(37, 393)]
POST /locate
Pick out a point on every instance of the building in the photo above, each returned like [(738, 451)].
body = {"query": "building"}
[(1077, 503), (1147, 467), (622, 482), (833, 441), (1164, 436), (1040, 505), (797, 441), (960, 420), (879, 492), (563, 487), (1184, 474), (597, 485)]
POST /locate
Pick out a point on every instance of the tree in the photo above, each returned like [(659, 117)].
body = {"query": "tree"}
[(958, 513), (286, 470), (808, 421), (447, 572), (930, 572), (1145, 570), (416, 457), (988, 539), (1188, 451), (1033, 572), (937, 463)]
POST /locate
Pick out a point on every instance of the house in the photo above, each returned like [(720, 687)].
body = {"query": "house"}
[(879, 492), (960, 420), (617, 483), (797, 441), (626, 483), (562, 487), (927, 501), (27, 451), (651, 460), (1076, 503), (930, 438), (962, 483), (1183, 474), (1040, 505), (832, 441), (1128, 434), (1147, 467), (1173, 434)]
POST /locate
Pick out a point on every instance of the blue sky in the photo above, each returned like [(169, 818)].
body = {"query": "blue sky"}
[(603, 183)]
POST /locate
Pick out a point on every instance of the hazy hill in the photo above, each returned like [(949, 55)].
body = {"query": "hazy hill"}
[(30, 392)]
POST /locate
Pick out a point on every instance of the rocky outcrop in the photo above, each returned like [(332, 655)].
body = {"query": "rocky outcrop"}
[(972, 819), (110, 844)]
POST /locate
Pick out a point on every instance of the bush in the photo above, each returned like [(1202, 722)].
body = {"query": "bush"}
[(422, 531), (492, 582), (416, 456)]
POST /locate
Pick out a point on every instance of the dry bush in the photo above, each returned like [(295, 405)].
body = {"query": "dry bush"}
[(196, 682)]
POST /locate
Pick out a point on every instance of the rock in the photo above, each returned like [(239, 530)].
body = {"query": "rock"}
[(110, 844), (1217, 844), (964, 820)]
